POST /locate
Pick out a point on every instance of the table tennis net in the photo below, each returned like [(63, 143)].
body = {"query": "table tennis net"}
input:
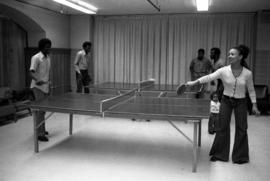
[(110, 103), (143, 85)]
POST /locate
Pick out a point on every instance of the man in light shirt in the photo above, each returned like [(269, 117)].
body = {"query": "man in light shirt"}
[(81, 64), (40, 74)]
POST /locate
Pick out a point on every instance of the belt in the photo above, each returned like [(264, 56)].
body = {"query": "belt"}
[(228, 97)]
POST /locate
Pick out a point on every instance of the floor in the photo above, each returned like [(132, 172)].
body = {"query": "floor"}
[(123, 150)]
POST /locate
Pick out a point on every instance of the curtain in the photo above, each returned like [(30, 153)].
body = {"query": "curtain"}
[(2, 63), (12, 59), (138, 47)]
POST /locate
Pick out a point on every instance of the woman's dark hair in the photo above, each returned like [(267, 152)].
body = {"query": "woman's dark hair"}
[(86, 43), (244, 51), (43, 42)]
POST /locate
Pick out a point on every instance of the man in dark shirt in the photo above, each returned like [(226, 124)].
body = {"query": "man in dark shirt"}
[(200, 66)]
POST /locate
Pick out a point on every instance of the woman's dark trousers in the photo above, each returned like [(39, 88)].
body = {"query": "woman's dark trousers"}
[(221, 146)]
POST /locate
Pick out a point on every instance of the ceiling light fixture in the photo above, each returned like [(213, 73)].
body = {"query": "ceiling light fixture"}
[(79, 5), (202, 5)]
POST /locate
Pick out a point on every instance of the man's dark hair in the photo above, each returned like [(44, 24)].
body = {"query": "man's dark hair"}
[(216, 50), (201, 50), (86, 43), (43, 42)]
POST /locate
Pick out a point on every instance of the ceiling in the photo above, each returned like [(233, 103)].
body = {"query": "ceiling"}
[(118, 7)]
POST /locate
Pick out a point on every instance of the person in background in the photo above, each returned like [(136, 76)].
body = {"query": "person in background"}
[(214, 111), (217, 63), (81, 65), (200, 66), (40, 74), (237, 79)]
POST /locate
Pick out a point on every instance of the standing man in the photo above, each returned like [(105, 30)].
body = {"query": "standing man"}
[(200, 66), (217, 63), (81, 64), (40, 74)]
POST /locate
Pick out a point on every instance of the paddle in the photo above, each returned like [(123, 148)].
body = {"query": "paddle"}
[(181, 89)]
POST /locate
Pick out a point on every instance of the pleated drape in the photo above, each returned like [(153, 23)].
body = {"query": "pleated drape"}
[(12, 60), (137, 47)]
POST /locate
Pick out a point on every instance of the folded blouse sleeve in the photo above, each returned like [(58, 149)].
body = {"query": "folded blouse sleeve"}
[(250, 87), (213, 76)]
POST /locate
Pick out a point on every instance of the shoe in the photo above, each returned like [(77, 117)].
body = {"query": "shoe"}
[(241, 161), (213, 159), (46, 133), (211, 132), (43, 138)]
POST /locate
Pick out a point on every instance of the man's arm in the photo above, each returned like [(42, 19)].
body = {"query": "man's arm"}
[(34, 76), (76, 63), (191, 68), (210, 67)]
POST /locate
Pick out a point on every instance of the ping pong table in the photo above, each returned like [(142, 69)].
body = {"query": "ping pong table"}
[(168, 90), (149, 88), (131, 103)]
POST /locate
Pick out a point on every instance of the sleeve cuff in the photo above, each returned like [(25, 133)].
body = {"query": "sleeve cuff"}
[(253, 99)]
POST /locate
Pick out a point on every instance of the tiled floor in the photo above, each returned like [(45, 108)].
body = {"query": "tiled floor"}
[(123, 150)]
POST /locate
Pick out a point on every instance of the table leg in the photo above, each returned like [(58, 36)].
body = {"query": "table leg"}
[(35, 112), (70, 123), (200, 133), (195, 147)]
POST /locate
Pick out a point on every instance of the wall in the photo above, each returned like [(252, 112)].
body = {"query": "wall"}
[(65, 31), (12, 58), (262, 61), (55, 25), (40, 23), (70, 31)]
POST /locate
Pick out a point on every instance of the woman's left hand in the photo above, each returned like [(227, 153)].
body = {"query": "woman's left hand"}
[(255, 109), (192, 83)]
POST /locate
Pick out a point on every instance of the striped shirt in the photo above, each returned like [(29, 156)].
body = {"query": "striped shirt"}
[(214, 107)]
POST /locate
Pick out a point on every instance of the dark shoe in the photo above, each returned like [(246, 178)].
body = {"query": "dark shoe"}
[(213, 159), (241, 161), (43, 138), (211, 132), (46, 133)]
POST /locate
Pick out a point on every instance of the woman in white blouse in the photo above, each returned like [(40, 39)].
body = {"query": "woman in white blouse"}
[(236, 78)]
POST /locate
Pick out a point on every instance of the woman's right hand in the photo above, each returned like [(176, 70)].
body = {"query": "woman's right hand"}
[(255, 109)]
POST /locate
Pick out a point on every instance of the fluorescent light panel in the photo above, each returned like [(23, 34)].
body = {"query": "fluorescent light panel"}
[(202, 5), (78, 5), (82, 3)]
